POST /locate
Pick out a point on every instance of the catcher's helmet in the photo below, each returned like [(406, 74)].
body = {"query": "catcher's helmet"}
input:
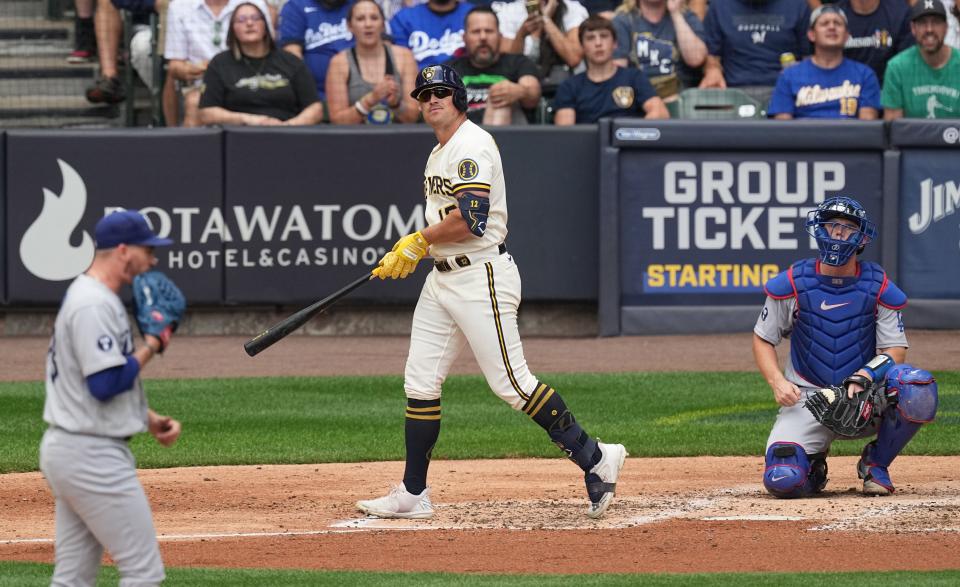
[(834, 251), (444, 76)]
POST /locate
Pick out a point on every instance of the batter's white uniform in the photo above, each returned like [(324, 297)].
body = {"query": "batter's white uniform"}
[(84, 453), (795, 423), (475, 301)]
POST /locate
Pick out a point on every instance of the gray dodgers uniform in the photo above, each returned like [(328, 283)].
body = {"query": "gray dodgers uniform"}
[(795, 423), (84, 453)]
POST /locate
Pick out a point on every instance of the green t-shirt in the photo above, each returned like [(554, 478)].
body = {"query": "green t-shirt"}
[(921, 92)]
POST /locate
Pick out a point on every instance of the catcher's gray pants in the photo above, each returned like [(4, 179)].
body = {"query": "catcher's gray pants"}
[(99, 503), (796, 424)]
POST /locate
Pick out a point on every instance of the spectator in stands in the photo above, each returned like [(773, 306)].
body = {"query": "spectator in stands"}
[(315, 31), (84, 37), (604, 8), (546, 31), (826, 84), (605, 89), (254, 83), (196, 31), (499, 86), (750, 41), (372, 81), (879, 29), (924, 80), (109, 29), (433, 31), (664, 40)]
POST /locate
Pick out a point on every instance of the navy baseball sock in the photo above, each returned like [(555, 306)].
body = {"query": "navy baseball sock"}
[(547, 409), (422, 429)]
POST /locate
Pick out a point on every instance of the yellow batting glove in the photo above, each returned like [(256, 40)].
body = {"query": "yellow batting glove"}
[(403, 259)]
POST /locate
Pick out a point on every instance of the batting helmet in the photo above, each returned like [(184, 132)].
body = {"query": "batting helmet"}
[(834, 251), (443, 76)]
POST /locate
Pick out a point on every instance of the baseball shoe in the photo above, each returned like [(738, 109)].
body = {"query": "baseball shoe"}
[(602, 478), (876, 479), (399, 503)]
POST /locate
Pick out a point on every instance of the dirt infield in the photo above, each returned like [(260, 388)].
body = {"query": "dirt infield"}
[(515, 516)]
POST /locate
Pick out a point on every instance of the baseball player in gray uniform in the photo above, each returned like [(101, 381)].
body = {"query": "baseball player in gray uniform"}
[(844, 322), (94, 404), (471, 297)]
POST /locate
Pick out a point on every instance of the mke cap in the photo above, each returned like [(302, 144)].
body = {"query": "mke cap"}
[(127, 227), (829, 9)]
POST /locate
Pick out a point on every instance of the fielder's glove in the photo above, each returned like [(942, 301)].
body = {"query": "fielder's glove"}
[(158, 305), (845, 416), (403, 259)]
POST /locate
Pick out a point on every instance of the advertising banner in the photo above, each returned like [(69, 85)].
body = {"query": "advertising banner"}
[(929, 224), (711, 227), (59, 183), (311, 210)]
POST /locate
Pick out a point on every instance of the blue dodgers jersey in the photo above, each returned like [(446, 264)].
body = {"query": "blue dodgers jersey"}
[(749, 38), (809, 91), (433, 38), (622, 95), (321, 32)]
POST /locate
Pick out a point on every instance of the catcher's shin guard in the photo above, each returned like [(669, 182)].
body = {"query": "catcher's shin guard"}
[(547, 409), (913, 396), (790, 472)]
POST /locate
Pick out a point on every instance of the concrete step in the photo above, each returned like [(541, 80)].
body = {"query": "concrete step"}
[(23, 8), (14, 107)]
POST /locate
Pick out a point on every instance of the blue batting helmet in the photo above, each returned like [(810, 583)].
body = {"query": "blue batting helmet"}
[(444, 76), (834, 251)]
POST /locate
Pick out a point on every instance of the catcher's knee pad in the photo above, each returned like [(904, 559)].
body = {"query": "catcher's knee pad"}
[(790, 472), (914, 391)]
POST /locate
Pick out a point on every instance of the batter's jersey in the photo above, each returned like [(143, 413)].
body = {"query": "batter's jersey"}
[(91, 334), (469, 161), (776, 323)]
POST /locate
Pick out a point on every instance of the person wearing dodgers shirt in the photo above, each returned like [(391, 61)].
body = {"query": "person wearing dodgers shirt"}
[(433, 31), (826, 85), (315, 31)]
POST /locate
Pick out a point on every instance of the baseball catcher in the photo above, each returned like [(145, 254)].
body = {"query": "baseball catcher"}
[(846, 376)]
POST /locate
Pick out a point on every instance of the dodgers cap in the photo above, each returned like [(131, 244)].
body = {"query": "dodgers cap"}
[(127, 227)]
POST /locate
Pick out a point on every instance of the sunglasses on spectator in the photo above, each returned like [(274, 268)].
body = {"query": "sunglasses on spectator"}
[(440, 93), (245, 18), (217, 39)]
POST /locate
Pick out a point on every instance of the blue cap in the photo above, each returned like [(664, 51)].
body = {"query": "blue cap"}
[(127, 227)]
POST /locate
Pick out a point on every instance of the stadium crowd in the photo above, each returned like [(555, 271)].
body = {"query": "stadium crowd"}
[(268, 62)]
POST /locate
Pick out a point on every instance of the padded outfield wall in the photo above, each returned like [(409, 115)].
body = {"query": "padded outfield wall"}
[(669, 227)]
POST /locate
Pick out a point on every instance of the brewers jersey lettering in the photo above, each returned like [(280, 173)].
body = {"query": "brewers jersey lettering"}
[(469, 161)]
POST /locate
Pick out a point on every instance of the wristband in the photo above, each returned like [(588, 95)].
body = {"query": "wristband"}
[(361, 108), (878, 366)]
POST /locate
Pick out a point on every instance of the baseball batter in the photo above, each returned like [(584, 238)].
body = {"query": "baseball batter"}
[(94, 404), (471, 298), (843, 318)]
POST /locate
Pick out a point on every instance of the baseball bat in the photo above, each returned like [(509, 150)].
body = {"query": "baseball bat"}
[(284, 327)]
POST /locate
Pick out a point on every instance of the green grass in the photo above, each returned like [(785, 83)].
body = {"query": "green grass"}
[(348, 419), (33, 574)]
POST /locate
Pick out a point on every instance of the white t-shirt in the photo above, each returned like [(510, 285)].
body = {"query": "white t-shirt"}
[(91, 334), (513, 14), (469, 161)]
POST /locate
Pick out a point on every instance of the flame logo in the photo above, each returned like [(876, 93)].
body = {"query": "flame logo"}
[(45, 248)]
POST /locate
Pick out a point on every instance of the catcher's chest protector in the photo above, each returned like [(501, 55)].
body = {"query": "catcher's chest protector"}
[(834, 333)]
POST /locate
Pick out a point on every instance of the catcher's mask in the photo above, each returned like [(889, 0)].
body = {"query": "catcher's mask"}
[(442, 76), (820, 226)]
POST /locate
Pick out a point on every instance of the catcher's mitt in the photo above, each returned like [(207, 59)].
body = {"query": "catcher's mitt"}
[(833, 408), (158, 305)]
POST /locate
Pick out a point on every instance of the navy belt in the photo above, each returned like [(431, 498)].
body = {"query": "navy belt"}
[(461, 260)]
